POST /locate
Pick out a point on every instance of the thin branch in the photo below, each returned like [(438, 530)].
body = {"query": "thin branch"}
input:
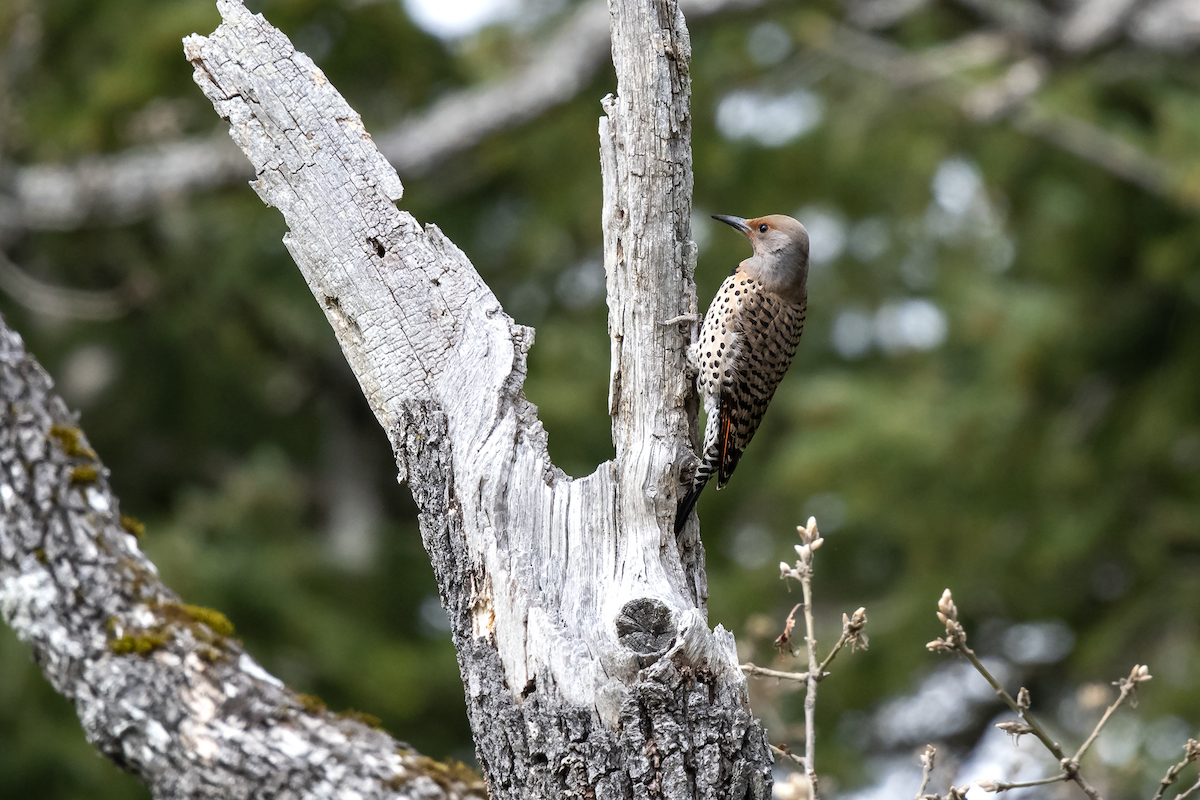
[(1191, 752), (64, 302), (934, 72), (955, 641), (1092, 22), (762, 672), (852, 634), (1128, 686), (1001, 786), (790, 756), (812, 540), (927, 759), (1194, 787), (1095, 145)]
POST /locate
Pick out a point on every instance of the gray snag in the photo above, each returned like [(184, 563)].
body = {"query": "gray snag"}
[(578, 618)]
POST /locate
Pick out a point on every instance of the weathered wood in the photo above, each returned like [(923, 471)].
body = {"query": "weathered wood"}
[(159, 686), (580, 630)]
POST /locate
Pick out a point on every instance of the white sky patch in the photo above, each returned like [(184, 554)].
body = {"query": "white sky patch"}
[(869, 239), (826, 233), (771, 120), (1038, 642), (898, 326), (1163, 737), (914, 324), (582, 285), (1000, 757), (751, 547), (897, 778), (853, 333), (957, 184), (943, 706), (1120, 739), (433, 617), (768, 43), (454, 19), (86, 372)]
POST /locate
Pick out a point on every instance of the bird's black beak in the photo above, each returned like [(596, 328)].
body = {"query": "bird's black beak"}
[(735, 222)]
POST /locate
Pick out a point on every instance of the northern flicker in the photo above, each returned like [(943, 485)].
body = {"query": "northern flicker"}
[(746, 344)]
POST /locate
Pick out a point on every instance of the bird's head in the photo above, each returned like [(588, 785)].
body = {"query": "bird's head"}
[(780, 245)]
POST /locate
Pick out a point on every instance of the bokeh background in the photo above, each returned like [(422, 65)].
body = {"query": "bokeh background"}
[(998, 390)]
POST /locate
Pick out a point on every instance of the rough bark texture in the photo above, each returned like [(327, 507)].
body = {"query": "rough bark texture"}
[(588, 666), (159, 686)]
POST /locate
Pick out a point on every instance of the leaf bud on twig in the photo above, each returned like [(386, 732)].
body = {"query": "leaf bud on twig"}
[(852, 629), (1014, 728)]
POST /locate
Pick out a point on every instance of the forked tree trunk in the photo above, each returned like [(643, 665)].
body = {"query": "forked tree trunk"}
[(579, 618)]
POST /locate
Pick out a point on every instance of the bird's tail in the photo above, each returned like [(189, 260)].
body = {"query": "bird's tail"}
[(686, 504), (705, 471)]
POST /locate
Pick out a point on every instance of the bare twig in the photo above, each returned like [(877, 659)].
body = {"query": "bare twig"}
[(1191, 751), (1092, 22), (926, 769), (790, 756), (955, 641), (1139, 674), (65, 302), (811, 542), (1191, 790), (762, 672), (1001, 786), (940, 71), (852, 634)]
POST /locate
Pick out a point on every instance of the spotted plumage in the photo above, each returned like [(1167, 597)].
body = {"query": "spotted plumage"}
[(746, 344)]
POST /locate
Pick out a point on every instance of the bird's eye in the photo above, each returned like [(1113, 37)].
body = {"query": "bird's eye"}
[(762, 228)]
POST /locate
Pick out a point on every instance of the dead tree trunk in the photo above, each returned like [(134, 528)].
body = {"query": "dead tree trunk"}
[(578, 618)]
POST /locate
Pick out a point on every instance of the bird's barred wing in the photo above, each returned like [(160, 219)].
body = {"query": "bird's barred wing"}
[(768, 331)]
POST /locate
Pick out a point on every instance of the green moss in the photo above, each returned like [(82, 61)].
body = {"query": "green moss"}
[(450, 773), (40, 555), (132, 525), (71, 440), (217, 622), (312, 704), (143, 644), (370, 720), (84, 473)]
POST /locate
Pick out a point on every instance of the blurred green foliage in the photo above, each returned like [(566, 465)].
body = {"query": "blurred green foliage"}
[(1043, 460)]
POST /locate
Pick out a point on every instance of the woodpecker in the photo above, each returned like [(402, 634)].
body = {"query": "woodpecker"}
[(746, 344)]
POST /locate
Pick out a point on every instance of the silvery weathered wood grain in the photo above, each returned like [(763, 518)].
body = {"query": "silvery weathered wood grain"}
[(578, 618), (194, 716)]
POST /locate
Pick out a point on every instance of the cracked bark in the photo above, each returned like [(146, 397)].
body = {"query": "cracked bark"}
[(159, 686), (578, 617)]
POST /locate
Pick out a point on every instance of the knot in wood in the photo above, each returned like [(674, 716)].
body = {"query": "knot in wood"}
[(647, 627)]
